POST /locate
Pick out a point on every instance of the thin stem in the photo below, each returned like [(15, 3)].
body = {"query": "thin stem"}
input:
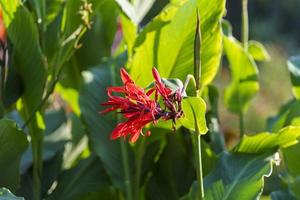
[(43, 101), (241, 123), (124, 152), (139, 161), (245, 38), (245, 24), (37, 154), (126, 170), (199, 169), (197, 75)]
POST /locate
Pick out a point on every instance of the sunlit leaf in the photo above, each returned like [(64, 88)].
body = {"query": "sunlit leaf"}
[(194, 109), (244, 84), (263, 142), (258, 51), (168, 42)]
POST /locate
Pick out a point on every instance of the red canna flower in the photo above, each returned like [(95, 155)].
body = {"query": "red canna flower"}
[(2, 29), (138, 108)]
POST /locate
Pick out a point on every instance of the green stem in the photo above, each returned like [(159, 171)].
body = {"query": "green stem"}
[(126, 170), (199, 165), (197, 75), (241, 123), (245, 38), (245, 24), (37, 154), (43, 101), (139, 161)]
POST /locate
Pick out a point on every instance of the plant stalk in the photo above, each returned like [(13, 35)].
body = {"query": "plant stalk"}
[(139, 161), (241, 123), (128, 185), (245, 24), (124, 152), (199, 169), (197, 75), (37, 154), (245, 38)]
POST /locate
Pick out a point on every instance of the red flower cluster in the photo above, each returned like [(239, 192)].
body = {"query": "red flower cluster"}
[(138, 108)]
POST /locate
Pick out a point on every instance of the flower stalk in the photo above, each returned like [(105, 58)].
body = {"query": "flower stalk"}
[(197, 75), (245, 38)]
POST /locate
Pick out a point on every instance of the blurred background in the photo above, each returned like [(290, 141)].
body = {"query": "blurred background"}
[(276, 24)]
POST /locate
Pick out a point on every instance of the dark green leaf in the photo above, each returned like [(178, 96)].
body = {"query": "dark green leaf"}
[(99, 127), (290, 155), (294, 68), (282, 195), (237, 176), (174, 171), (97, 42), (13, 143), (87, 177)]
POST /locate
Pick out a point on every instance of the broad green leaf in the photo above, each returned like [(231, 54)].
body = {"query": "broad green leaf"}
[(29, 62), (290, 155), (264, 142), (13, 87), (28, 58), (294, 187), (258, 51), (13, 143), (294, 69), (194, 109), (86, 177), (167, 42), (99, 127), (244, 84), (237, 176), (5, 194)]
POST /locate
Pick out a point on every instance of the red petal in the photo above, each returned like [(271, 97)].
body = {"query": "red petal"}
[(134, 137), (156, 74), (125, 76)]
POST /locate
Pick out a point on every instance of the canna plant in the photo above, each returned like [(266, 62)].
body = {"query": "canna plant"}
[(157, 136)]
